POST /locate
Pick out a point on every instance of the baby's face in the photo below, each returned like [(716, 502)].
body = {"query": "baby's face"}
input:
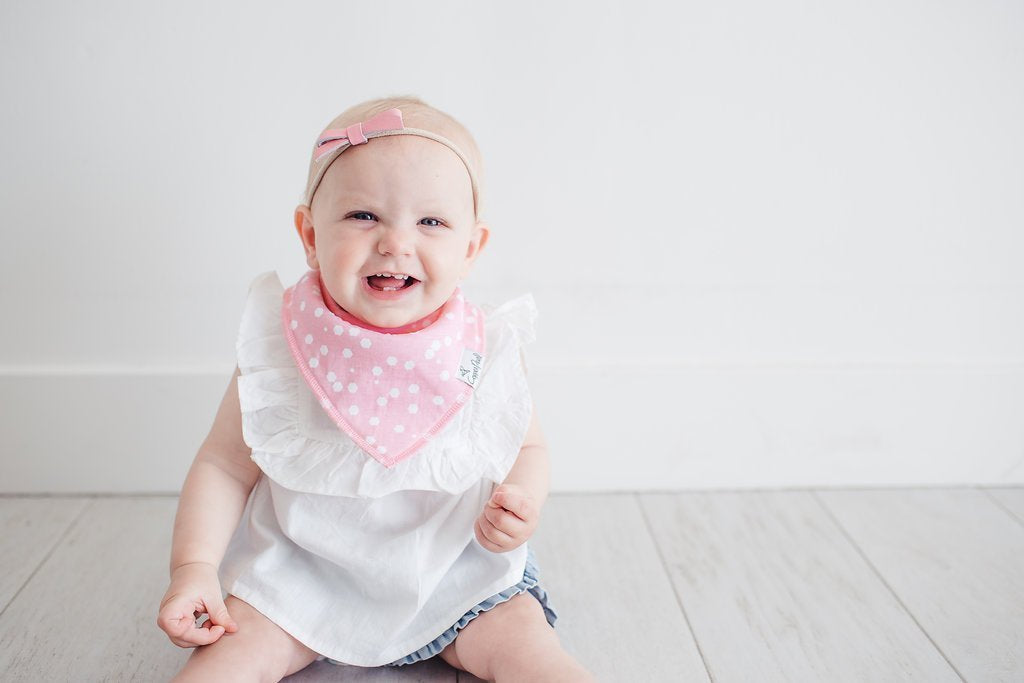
[(398, 205)]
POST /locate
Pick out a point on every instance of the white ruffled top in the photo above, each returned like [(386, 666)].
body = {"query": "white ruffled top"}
[(364, 563)]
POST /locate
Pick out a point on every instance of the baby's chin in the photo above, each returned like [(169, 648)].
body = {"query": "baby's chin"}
[(392, 319), (388, 322)]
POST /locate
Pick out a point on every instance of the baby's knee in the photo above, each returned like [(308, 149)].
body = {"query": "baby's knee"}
[(512, 628), (258, 651)]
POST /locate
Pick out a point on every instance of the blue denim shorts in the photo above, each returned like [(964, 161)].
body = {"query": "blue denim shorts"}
[(529, 583)]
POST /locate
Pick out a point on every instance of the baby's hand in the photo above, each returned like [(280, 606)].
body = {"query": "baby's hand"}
[(508, 520), (194, 591)]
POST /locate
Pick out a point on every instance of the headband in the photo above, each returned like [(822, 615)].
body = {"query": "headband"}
[(333, 141)]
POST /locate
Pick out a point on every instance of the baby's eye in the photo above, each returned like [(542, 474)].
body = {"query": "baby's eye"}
[(358, 216), (436, 222)]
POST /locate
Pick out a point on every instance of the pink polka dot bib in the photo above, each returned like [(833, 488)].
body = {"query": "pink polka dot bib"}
[(389, 390)]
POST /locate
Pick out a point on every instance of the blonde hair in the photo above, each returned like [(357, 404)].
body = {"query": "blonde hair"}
[(416, 114)]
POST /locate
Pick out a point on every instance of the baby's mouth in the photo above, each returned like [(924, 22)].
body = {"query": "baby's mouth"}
[(390, 282)]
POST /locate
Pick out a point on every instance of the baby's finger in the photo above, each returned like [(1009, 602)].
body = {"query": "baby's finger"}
[(201, 636), (518, 505), (503, 520), (484, 541), (184, 633), (494, 534), (174, 619), (219, 614), (480, 538)]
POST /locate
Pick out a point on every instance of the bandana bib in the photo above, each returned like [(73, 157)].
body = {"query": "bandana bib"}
[(390, 392)]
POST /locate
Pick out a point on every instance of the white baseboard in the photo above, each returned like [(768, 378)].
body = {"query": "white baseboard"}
[(610, 427), (738, 427)]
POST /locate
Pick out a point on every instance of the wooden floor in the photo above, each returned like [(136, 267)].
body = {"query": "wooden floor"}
[(838, 585)]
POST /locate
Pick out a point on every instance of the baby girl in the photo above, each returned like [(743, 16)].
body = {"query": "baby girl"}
[(375, 468)]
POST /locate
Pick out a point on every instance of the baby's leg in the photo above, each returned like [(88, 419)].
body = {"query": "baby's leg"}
[(513, 641), (258, 651)]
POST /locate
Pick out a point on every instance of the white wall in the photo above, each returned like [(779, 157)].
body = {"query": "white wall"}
[(772, 244)]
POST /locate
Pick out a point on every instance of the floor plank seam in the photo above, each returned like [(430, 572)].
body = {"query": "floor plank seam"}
[(53, 548), (999, 503), (856, 546), (668, 575)]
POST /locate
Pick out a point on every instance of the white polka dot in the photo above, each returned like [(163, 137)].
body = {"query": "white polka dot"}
[(365, 343), (392, 360), (371, 440), (445, 375), (382, 401), (319, 311), (338, 329), (347, 353), (337, 386), (352, 387), (447, 341), (409, 365), (394, 393), (450, 316), (399, 429), (382, 449), (413, 408), (429, 353), (376, 371), (309, 339), (438, 400), (354, 331), (435, 345), (313, 362), (414, 388), (375, 421), (326, 404), (331, 377), (323, 350), (302, 305), (295, 323), (353, 410)]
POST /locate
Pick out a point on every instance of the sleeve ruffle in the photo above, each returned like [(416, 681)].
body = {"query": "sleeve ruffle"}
[(482, 441)]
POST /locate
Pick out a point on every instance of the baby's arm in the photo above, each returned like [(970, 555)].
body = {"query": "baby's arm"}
[(532, 471), (211, 503), (513, 512)]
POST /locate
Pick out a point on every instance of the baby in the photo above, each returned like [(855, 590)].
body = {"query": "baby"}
[(376, 467)]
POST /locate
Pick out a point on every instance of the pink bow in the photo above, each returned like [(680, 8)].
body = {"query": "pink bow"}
[(355, 134)]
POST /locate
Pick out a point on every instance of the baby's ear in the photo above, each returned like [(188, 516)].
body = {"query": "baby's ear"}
[(476, 243), (304, 226), (481, 233)]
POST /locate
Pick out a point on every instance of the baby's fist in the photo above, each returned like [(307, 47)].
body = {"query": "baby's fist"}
[(509, 518)]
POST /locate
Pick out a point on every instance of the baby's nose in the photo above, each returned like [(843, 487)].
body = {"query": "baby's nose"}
[(395, 242)]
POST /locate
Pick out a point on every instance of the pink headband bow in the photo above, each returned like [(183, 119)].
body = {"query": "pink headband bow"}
[(333, 141), (355, 134)]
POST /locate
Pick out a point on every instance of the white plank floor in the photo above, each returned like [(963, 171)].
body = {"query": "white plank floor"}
[(823, 585)]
